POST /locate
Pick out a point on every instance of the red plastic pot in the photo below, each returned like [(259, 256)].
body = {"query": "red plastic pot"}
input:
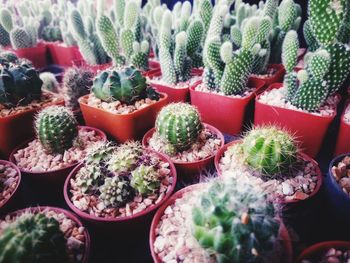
[(94, 68), (63, 55), (308, 128), (68, 214), (223, 112), (277, 77), (14, 198), (188, 169), (37, 55), (283, 232), (54, 178), (130, 225), (17, 128), (153, 64), (343, 142), (315, 252), (122, 127)]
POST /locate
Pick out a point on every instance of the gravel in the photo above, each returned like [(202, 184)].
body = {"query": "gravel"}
[(333, 256), (341, 173), (181, 85), (9, 179), (202, 87)]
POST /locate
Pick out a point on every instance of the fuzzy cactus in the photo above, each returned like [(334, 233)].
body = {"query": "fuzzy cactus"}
[(145, 180), (140, 54), (234, 222), (115, 191), (20, 38), (56, 129), (179, 124), (4, 37), (309, 36), (44, 240), (6, 19), (50, 82)]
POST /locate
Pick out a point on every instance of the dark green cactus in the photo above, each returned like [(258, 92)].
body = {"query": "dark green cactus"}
[(115, 191), (145, 180), (309, 36), (33, 238), (56, 129), (4, 37)]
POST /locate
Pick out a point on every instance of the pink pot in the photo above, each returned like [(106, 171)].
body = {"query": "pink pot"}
[(37, 55), (283, 233), (277, 77), (67, 214), (187, 170), (129, 225), (302, 124), (343, 142), (63, 55)]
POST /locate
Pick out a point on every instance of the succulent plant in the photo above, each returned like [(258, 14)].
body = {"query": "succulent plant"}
[(52, 34), (4, 37), (50, 82), (9, 56), (115, 191), (234, 222), (56, 129), (33, 238), (179, 125), (20, 85), (77, 82), (145, 179)]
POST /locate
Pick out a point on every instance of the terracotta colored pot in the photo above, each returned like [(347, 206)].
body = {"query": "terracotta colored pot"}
[(17, 128), (134, 224), (122, 127), (63, 55), (53, 179), (69, 215), (223, 112), (15, 195), (315, 252), (276, 77), (283, 233), (37, 54), (189, 169), (343, 142), (309, 129)]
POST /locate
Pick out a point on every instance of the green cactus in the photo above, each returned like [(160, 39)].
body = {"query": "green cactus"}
[(115, 191), (6, 19), (33, 238), (140, 55), (194, 37), (4, 37), (9, 56), (309, 36), (234, 222), (50, 82), (290, 51), (20, 38), (179, 124), (206, 13), (145, 180), (119, 7), (56, 129)]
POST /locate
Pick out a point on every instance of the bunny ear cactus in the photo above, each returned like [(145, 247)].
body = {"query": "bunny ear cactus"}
[(140, 55), (234, 222), (309, 36), (56, 129)]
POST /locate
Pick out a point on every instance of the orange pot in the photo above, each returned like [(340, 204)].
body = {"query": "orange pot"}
[(122, 127)]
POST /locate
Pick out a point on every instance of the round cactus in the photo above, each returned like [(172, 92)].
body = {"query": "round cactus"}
[(179, 124), (115, 191), (56, 129), (33, 238), (145, 180), (269, 150)]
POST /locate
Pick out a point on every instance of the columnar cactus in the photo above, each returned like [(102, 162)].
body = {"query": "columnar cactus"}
[(115, 191), (234, 222), (56, 129), (44, 241), (145, 179), (179, 124)]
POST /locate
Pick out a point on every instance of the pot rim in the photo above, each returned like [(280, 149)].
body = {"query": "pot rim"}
[(335, 161), (19, 174)]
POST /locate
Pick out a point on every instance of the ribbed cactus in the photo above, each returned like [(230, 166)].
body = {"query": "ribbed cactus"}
[(145, 180), (179, 124), (234, 222), (50, 82), (33, 238), (115, 191), (56, 129)]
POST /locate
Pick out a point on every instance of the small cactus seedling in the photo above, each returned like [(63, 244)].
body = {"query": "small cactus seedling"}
[(145, 179), (115, 191), (179, 124), (44, 240), (50, 82), (56, 129), (234, 222)]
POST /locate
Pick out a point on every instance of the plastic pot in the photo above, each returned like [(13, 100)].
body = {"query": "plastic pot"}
[(68, 214), (15, 195), (187, 170), (128, 225), (343, 142), (17, 128), (37, 55), (283, 233), (315, 252), (309, 129), (94, 68), (276, 77), (63, 55), (50, 182), (122, 127), (223, 112)]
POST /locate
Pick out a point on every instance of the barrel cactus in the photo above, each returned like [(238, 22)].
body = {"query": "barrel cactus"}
[(145, 179), (115, 191), (179, 124), (44, 241), (56, 129), (234, 222)]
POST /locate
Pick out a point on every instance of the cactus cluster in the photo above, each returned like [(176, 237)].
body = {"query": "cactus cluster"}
[(56, 129), (50, 82), (179, 125), (234, 222), (33, 238)]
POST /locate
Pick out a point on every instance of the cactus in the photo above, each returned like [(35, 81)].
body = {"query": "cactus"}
[(234, 222), (9, 56), (56, 129), (76, 83), (4, 37), (140, 55), (6, 19), (51, 34), (49, 81), (179, 125), (145, 180), (20, 38), (115, 191), (44, 240), (309, 36)]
